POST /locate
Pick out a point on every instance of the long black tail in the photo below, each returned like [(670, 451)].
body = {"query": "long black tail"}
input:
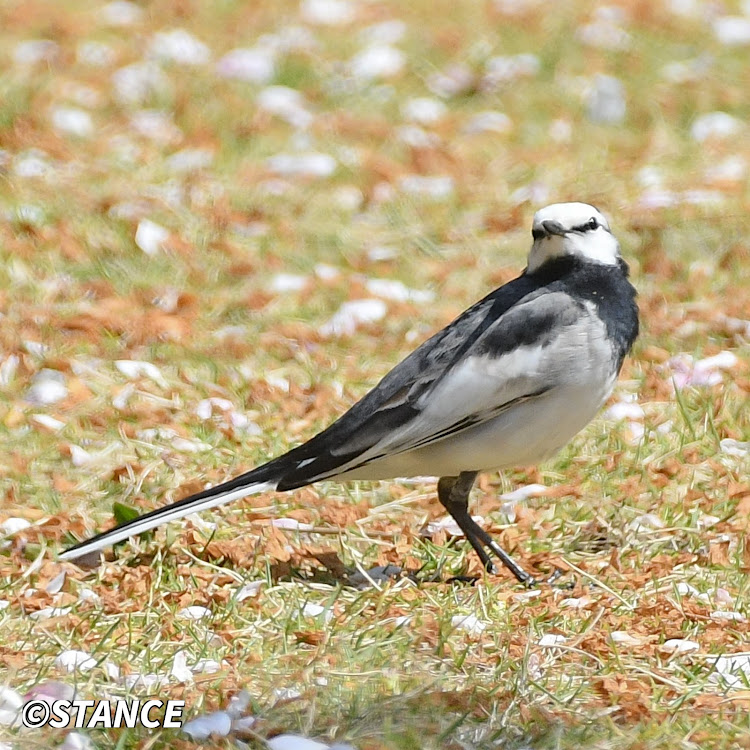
[(258, 480)]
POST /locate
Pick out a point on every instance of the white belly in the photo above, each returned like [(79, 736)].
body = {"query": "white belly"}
[(576, 369), (526, 434)]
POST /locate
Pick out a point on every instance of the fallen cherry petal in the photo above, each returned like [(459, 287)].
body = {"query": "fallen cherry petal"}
[(294, 742), (218, 723), (723, 615), (449, 526), (194, 612), (150, 236), (50, 691), (551, 641), (468, 623), (732, 447), (77, 741), (679, 646), (345, 321), (179, 669), (13, 525), (48, 612), (377, 61), (56, 584), (74, 660), (624, 638), (249, 590), (10, 706)]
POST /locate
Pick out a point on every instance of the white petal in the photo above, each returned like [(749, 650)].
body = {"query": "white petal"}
[(424, 110), (249, 590), (315, 610), (732, 447), (202, 727), (384, 32), (624, 638), (77, 741), (310, 164), (287, 103), (72, 121), (150, 236), (10, 700), (121, 13), (437, 188), (468, 623), (47, 387), (80, 456), (155, 125), (144, 681), (575, 603), (732, 31), (646, 522), (291, 524), (288, 282), (550, 640), (56, 584), (449, 526), (606, 103), (679, 646), (294, 742), (179, 46), (685, 589), (397, 290), (251, 64), (715, 125), (524, 492), (733, 664), (205, 666), (190, 160), (184, 445), (74, 660), (205, 408), (179, 669), (136, 83), (377, 61), (97, 54), (194, 612), (345, 321), (624, 410), (46, 612), (13, 525), (33, 51), (134, 368), (727, 616), (328, 12), (322, 270), (47, 421), (489, 122)]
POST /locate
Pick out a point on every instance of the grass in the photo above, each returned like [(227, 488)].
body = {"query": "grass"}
[(650, 533)]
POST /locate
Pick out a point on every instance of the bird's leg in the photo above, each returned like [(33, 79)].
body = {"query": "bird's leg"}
[(453, 493)]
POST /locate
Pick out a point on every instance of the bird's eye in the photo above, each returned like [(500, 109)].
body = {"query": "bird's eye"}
[(592, 224)]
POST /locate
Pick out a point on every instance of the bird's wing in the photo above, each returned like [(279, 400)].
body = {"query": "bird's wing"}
[(484, 362)]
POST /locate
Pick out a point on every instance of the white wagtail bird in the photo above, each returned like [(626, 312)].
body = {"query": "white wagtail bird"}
[(507, 383)]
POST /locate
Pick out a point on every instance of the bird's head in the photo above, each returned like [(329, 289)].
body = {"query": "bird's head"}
[(571, 229)]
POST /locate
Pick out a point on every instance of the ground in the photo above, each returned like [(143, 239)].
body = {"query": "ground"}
[(207, 255)]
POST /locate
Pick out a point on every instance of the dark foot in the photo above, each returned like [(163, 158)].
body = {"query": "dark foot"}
[(453, 493)]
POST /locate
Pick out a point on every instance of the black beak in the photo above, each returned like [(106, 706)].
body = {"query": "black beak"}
[(547, 229)]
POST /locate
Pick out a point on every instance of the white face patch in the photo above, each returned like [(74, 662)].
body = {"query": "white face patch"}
[(573, 229)]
